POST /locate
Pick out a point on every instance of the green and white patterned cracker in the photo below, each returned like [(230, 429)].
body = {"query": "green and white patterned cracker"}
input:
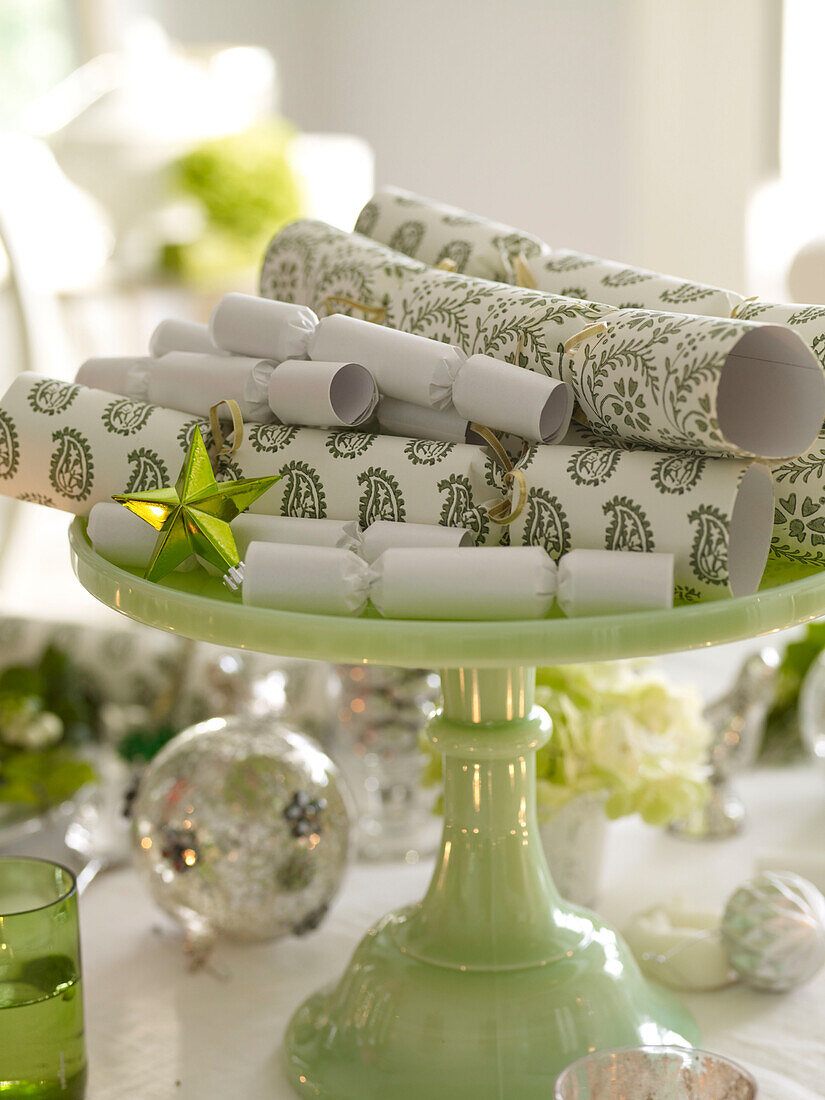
[(607, 499), (644, 377), (431, 232), (799, 501), (70, 447), (573, 274), (366, 477), (807, 321)]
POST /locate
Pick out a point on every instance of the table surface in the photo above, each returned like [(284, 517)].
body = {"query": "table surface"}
[(157, 1031)]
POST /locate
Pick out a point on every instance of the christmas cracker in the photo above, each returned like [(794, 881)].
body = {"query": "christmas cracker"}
[(69, 447), (433, 233), (363, 476), (662, 380)]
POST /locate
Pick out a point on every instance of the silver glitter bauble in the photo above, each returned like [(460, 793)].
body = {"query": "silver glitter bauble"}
[(241, 830), (773, 930)]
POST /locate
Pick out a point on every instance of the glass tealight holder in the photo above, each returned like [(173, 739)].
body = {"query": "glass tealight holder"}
[(42, 1052), (668, 1073)]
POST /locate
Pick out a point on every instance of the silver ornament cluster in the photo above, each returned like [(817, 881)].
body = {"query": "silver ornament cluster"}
[(241, 830), (381, 715), (773, 931)]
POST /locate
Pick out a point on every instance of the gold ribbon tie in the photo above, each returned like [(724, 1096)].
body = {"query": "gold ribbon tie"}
[(224, 447), (598, 329), (505, 512), (372, 313), (524, 276), (741, 305)]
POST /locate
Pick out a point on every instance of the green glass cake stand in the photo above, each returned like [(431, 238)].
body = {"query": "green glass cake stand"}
[(492, 984)]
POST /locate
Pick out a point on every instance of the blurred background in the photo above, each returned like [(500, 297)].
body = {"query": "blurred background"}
[(149, 149)]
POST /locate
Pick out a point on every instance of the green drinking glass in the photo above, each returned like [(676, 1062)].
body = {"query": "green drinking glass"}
[(42, 1053)]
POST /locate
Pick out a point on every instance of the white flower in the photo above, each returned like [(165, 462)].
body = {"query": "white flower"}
[(33, 731), (624, 729)]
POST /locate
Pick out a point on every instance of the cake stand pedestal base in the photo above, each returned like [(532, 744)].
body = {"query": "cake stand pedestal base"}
[(492, 984)]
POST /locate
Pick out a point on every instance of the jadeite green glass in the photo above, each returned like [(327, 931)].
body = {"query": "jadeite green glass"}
[(42, 1053), (491, 984)]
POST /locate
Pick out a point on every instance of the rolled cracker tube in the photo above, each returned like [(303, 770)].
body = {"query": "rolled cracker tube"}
[(433, 232), (405, 366), (343, 534), (194, 383), (807, 321), (490, 392), (322, 395), (383, 535), (662, 380), (799, 506), (126, 376), (69, 446), (125, 539), (323, 580), (577, 274), (714, 515), (349, 474), (177, 335), (120, 536), (247, 325), (403, 418), (187, 381), (442, 583), (603, 582)]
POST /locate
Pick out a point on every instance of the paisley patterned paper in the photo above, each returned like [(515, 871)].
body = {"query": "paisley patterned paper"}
[(798, 489), (599, 498), (436, 233), (645, 377), (68, 446), (433, 232), (362, 476)]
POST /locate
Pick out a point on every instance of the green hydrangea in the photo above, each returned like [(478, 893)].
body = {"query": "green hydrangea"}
[(624, 730), (245, 189)]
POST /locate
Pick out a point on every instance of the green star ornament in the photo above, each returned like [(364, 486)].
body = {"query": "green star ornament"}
[(193, 515)]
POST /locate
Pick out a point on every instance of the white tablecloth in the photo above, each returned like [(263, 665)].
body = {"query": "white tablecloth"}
[(157, 1031)]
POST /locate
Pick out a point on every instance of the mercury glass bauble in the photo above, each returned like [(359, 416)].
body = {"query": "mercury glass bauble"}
[(241, 829), (773, 930)]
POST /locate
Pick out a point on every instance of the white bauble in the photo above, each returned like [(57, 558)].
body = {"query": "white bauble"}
[(773, 930)]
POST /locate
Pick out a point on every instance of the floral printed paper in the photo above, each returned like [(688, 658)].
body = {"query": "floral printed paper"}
[(433, 233), (644, 377), (799, 499), (488, 249), (807, 321)]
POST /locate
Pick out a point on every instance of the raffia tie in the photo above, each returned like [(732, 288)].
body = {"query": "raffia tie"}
[(224, 447), (524, 276), (741, 305), (372, 313), (598, 329), (505, 512)]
